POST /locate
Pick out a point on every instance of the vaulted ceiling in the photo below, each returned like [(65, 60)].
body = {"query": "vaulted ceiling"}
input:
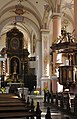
[(32, 15)]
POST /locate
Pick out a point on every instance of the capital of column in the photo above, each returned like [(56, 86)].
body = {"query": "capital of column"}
[(38, 40), (54, 15), (45, 30)]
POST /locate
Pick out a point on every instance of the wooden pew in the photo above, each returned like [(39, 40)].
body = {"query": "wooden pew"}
[(13, 107)]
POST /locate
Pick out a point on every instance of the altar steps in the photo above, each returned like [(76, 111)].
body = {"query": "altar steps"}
[(13, 107), (12, 115), (10, 100)]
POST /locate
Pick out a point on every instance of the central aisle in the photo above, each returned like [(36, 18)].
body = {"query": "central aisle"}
[(55, 113)]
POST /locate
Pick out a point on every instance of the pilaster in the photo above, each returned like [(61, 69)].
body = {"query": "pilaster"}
[(38, 61), (45, 79)]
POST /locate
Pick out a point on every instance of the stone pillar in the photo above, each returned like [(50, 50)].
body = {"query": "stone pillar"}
[(56, 33), (74, 89), (38, 61), (45, 79), (75, 17)]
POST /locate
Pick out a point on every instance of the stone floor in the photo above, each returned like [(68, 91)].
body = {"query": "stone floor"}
[(55, 113)]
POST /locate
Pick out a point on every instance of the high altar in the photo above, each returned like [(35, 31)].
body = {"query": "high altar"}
[(17, 63)]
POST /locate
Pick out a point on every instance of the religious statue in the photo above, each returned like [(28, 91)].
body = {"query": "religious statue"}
[(15, 67)]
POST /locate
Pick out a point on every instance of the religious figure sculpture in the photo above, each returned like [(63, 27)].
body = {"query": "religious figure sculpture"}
[(15, 67)]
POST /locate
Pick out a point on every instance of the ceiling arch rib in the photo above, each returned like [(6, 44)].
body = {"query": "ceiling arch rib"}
[(51, 5), (27, 22), (24, 27), (35, 9), (25, 8), (10, 25), (23, 3), (6, 5), (46, 15)]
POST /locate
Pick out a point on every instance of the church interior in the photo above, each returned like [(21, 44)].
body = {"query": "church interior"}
[(38, 51)]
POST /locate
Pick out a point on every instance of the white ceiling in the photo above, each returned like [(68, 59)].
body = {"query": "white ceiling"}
[(36, 13)]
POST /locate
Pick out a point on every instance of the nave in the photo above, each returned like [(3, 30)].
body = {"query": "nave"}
[(12, 107), (56, 113)]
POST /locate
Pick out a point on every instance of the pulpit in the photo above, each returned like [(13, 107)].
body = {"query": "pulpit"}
[(66, 45), (66, 75)]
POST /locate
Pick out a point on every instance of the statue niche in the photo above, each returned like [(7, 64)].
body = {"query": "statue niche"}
[(14, 66)]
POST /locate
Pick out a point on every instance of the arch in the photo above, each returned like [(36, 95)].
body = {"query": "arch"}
[(26, 9), (27, 22)]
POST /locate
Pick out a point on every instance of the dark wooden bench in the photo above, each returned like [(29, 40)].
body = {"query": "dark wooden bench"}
[(14, 114), (12, 107)]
